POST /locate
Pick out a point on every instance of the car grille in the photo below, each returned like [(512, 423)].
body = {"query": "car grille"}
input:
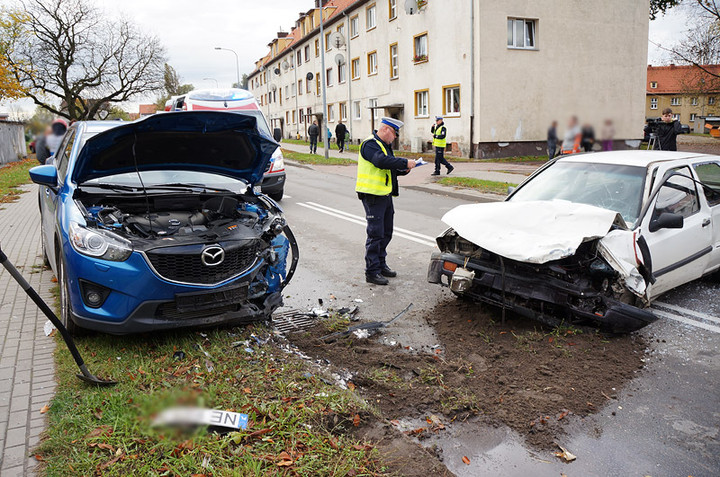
[(183, 264), (169, 311)]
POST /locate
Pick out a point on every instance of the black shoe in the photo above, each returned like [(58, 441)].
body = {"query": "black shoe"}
[(387, 272), (376, 278), (435, 174), (450, 169)]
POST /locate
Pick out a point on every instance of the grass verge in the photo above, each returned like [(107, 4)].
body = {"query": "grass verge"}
[(108, 431), (348, 146), (13, 175), (316, 159), (477, 184)]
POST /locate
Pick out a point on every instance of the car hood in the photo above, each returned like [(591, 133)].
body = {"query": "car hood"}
[(224, 143), (532, 231)]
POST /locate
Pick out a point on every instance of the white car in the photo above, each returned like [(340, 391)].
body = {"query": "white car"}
[(589, 238)]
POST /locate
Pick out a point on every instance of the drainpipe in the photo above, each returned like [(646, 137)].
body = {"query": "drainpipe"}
[(297, 93), (472, 76), (348, 76), (324, 129)]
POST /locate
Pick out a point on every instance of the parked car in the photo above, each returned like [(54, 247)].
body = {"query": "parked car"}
[(588, 239), (235, 99), (155, 224)]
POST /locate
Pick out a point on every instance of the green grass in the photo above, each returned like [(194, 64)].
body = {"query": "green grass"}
[(108, 431), (477, 184), (316, 159), (13, 175), (348, 146)]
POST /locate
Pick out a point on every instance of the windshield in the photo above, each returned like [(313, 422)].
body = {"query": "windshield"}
[(614, 187), (161, 178)]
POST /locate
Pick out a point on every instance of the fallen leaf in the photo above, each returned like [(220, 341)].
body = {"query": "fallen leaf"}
[(351, 386), (39, 458), (550, 340), (53, 279), (247, 390), (259, 433), (563, 415), (107, 464), (44, 409), (284, 460), (100, 431), (466, 460), (356, 420), (102, 445)]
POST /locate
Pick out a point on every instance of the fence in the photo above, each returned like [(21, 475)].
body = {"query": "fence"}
[(12, 142)]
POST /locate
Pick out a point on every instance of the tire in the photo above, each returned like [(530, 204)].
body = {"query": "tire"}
[(65, 306), (277, 196)]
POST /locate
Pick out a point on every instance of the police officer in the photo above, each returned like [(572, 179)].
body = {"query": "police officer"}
[(439, 132), (376, 183)]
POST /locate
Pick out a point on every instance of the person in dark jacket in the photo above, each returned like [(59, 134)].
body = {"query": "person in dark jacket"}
[(340, 132), (667, 131), (42, 152), (313, 132), (552, 139), (376, 185), (588, 138)]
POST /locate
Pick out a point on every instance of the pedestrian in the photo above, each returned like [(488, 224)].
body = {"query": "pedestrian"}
[(588, 138), (667, 131), (573, 136), (439, 132), (340, 132), (58, 130), (41, 150), (313, 132), (376, 185), (607, 135), (552, 139)]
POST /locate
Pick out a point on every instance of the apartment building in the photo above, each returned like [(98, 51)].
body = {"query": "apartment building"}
[(692, 93), (498, 72)]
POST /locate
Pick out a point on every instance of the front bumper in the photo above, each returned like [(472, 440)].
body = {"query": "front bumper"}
[(539, 297), (273, 183)]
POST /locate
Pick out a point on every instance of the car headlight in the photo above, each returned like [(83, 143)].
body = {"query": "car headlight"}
[(99, 243)]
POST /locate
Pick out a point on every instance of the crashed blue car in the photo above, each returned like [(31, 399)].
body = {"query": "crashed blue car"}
[(158, 224)]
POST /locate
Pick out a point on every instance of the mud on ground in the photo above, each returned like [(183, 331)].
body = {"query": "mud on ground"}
[(531, 378)]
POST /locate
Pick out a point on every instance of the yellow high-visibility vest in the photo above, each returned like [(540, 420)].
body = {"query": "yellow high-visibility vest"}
[(371, 179), (437, 142)]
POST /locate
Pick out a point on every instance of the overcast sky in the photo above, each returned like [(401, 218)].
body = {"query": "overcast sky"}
[(190, 30)]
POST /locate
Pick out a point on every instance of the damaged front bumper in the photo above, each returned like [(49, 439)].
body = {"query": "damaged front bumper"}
[(541, 297)]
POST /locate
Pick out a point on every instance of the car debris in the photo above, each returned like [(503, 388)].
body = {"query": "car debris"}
[(369, 328), (565, 455)]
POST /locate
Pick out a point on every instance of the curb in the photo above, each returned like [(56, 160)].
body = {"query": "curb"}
[(289, 162), (457, 195)]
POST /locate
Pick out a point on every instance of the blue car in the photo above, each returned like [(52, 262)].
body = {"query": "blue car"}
[(159, 224)]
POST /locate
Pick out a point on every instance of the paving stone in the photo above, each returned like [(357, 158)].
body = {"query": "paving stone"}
[(18, 419), (15, 437)]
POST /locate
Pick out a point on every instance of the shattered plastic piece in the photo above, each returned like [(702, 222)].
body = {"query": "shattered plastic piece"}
[(358, 300), (48, 328), (361, 333), (319, 312), (375, 325), (184, 416), (565, 455)]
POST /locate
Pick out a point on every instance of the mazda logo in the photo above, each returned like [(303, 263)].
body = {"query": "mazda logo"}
[(212, 255)]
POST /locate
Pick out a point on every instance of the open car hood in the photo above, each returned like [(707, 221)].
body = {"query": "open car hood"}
[(224, 143), (532, 231)]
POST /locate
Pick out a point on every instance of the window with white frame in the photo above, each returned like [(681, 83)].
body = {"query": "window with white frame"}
[(300, 88), (372, 63), (328, 77), (394, 69), (375, 110), (420, 48), (675, 101), (653, 103), (355, 68), (694, 101), (356, 109), (653, 84), (676, 117), (692, 117), (343, 111), (711, 100), (342, 73), (331, 113), (287, 91), (370, 17), (308, 86), (421, 103), (451, 100), (341, 29), (327, 41), (317, 48), (354, 26), (301, 114), (521, 33), (392, 9), (293, 90)]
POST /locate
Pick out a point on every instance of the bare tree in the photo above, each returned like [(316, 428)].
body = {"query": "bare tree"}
[(71, 53)]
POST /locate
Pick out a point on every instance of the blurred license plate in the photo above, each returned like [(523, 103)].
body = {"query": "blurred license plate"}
[(210, 299)]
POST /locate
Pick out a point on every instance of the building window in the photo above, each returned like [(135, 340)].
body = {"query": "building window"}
[(653, 103), (300, 88), (287, 117), (354, 26), (299, 57), (421, 103), (653, 84), (451, 100), (307, 53), (343, 111), (309, 115), (308, 86), (287, 91), (342, 73), (711, 100), (331, 113), (356, 109), (521, 33), (355, 68), (317, 84), (341, 29), (372, 63), (293, 90), (675, 102), (676, 117), (692, 117), (293, 116), (394, 71), (301, 114), (370, 18), (420, 48), (317, 48), (327, 41), (373, 107), (392, 8), (328, 77), (694, 102)]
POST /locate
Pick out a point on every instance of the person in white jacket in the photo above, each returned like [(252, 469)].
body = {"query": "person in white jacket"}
[(59, 128)]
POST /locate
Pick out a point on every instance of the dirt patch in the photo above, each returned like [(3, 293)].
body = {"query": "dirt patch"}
[(528, 377), (700, 144)]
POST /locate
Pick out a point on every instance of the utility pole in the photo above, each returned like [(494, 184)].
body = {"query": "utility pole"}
[(237, 62), (324, 91)]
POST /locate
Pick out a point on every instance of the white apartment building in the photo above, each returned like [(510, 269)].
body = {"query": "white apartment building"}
[(499, 72)]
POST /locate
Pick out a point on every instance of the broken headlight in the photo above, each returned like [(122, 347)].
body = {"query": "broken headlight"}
[(99, 243)]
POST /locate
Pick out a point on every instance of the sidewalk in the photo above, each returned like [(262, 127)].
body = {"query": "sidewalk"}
[(27, 369), (420, 178)]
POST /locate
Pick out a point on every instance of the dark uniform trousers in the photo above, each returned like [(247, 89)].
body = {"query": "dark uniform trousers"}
[(440, 159), (379, 212)]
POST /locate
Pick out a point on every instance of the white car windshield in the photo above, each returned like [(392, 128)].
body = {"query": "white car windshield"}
[(614, 187)]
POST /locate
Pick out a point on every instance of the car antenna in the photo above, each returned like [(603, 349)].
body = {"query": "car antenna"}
[(142, 184)]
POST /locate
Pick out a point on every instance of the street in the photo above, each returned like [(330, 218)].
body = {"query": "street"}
[(664, 422)]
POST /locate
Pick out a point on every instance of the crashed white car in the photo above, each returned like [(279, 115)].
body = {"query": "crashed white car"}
[(588, 239)]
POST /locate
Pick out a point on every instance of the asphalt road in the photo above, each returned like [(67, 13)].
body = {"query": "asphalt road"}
[(666, 421)]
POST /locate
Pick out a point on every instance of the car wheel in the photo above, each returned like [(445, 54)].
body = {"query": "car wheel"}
[(277, 196), (65, 306)]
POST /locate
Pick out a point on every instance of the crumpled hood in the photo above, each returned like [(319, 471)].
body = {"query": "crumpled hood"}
[(224, 143), (532, 231)]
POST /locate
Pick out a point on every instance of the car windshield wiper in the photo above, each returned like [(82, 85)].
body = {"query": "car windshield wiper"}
[(173, 187), (189, 185), (112, 187)]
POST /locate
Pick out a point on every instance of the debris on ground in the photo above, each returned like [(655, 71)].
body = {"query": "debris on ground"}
[(196, 416), (363, 330), (49, 328), (565, 455)]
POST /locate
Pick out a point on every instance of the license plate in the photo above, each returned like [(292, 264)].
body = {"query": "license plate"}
[(183, 416), (210, 299)]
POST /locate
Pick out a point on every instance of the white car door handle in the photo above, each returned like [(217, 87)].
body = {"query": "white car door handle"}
[(706, 222)]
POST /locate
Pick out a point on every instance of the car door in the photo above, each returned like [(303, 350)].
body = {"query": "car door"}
[(49, 196), (709, 173), (679, 255)]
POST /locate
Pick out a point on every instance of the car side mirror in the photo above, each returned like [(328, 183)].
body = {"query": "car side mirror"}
[(277, 134), (511, 189), (666, 221), (45, 175)]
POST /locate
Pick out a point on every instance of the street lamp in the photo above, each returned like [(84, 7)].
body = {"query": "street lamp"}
[(212, 79), (237, 62)]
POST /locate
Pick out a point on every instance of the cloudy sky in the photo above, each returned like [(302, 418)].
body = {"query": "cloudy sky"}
[(191, 29)]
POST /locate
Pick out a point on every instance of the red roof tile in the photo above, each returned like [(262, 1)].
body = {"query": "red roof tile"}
[(675, 79)]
